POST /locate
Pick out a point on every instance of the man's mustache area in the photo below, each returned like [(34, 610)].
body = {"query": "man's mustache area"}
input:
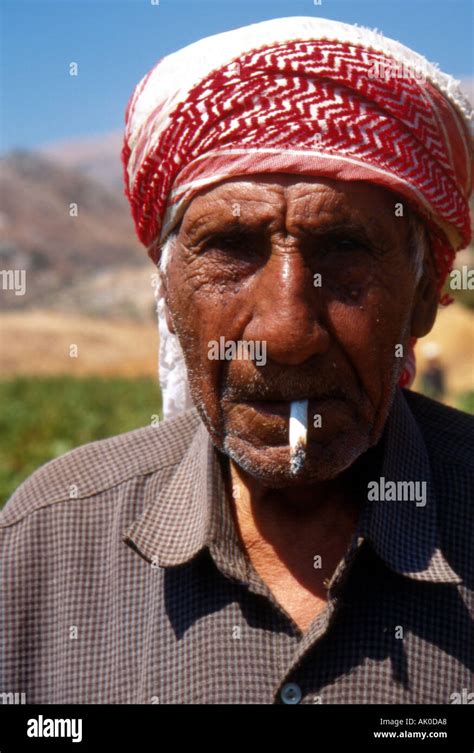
[(275, 383)]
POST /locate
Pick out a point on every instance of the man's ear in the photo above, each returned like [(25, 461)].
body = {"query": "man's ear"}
[(425, 304), (164, 292), (169, 321)]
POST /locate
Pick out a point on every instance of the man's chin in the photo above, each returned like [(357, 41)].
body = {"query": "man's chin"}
[(276, 466)]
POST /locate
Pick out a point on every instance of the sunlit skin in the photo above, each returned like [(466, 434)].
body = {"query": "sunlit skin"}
[(244, 267)]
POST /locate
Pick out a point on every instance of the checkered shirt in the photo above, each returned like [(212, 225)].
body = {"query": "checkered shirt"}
[(123, 579)]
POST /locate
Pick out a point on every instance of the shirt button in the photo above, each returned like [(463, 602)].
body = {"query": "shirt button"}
[(290, 693)]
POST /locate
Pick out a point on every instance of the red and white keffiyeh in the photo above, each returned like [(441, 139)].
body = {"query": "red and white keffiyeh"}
[(306, 96)]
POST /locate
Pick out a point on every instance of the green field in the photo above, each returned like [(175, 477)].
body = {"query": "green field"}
[(465, 402), (41, 418)]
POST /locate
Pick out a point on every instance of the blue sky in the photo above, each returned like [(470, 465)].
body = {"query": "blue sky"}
[(115, 42)]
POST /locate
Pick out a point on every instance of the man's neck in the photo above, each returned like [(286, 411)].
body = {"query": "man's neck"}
[(295, 537)]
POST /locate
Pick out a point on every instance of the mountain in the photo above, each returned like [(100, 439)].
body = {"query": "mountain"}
[(59, 251), (97, 157)]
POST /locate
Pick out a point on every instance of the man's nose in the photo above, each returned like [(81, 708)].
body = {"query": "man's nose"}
[(287, 312)]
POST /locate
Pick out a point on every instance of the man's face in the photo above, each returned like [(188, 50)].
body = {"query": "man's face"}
[(315, 271)]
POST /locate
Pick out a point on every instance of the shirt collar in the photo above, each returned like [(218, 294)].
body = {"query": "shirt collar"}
[(190, 510), (176, 523), (403, 534)]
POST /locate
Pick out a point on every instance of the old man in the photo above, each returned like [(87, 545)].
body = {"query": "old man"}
[(298, 529)]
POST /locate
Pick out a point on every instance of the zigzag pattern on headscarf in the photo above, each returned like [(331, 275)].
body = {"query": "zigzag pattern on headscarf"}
[(305, 96)]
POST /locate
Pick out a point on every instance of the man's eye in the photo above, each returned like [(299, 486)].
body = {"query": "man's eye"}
[(328, 244), (347, 244), (230, 242), (241, 243)]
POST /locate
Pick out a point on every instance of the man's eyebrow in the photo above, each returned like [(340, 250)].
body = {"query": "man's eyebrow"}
[(372, 230), (207, 225), (337, 227)]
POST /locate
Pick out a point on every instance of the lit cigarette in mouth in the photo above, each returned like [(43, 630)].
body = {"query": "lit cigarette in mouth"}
[(298, 433)]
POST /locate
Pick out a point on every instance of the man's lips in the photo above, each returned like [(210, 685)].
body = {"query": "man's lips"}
[(270, 407), (282, 407)]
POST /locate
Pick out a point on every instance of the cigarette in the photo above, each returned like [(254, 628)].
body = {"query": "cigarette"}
[(298, 433)]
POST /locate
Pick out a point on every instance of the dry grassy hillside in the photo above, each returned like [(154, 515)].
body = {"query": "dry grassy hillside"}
[(454, 333), (37, 342)]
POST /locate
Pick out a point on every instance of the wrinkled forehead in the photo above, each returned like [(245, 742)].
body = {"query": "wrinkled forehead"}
[(265, 198)]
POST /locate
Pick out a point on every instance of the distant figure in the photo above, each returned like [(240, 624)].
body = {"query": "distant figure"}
[(432, 377)]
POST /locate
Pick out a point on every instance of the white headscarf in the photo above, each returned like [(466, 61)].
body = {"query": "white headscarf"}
[(172, 372)]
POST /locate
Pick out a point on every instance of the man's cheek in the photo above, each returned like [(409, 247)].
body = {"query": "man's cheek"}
[(201, 345), (369, 340)]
